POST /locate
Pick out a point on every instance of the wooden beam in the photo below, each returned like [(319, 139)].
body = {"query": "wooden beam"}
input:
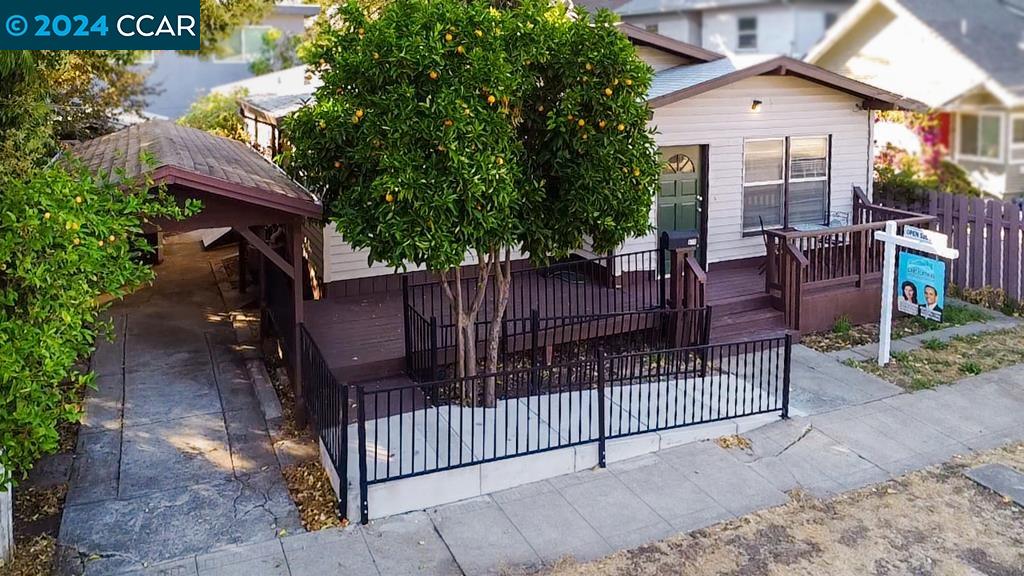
[(258, 243)]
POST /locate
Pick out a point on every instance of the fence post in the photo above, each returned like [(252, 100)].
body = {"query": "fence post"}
[(364, 498), (534, 347), (405, 319), (661, 276), (600, 410), (433, 348), (343, 473), (785, 375)]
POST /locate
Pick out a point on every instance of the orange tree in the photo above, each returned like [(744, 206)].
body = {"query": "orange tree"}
[(451, 127)]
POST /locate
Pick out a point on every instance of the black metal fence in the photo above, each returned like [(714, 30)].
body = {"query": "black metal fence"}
[(538, 340), (424, 428), (327, 403)]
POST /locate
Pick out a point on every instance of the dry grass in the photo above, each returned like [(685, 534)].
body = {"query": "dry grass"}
[(311, 490), (930, 522), (842, 337), (937, 363)]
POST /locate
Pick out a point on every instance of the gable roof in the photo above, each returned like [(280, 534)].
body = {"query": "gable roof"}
[(642, 37), (675, 84), (989, 33), (199, 160)]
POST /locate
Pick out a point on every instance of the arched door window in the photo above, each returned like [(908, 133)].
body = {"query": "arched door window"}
[(680, 164)]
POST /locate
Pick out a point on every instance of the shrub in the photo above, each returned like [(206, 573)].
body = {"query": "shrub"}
[(218, 114), (66, 238), (934, 344)]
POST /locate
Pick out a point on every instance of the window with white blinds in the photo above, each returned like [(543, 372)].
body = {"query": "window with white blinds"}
[(785, 181)]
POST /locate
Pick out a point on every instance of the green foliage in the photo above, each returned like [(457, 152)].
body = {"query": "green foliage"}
[(900, 176), (66, 238), (934, 344), (842, 325), (218, 114), (279, 51), (900, 355), (446, 126)]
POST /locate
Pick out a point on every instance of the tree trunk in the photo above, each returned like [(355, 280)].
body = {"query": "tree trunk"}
[(465, 318), (502, 281)]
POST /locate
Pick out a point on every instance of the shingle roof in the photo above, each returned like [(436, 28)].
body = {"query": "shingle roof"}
[(637, 7), (986, 31), (193, 157), (685, 81)]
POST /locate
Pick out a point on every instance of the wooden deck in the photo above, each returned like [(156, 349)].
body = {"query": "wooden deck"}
[(363, 337)]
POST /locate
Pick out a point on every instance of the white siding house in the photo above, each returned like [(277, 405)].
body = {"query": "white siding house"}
[(754, 26), (748, 142), (962, 59)]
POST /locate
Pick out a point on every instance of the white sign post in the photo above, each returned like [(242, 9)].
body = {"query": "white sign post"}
[(916, 239)]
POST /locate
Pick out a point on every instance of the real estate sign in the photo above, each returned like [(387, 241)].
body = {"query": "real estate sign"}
[(921, 282)]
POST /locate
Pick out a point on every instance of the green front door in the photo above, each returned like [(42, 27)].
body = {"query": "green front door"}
[(681, 196)]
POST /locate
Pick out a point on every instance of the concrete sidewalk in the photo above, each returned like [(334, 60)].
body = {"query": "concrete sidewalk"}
[(858, 431)]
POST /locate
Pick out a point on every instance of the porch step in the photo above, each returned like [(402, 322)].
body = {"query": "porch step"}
[(729, 306), (748, 324)]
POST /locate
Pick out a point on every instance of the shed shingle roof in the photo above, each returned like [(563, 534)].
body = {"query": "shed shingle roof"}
[(197, 158)]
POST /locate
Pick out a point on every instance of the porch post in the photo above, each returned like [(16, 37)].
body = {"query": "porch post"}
[(677, 291), (243, 265), (263, 298), (295, 236)]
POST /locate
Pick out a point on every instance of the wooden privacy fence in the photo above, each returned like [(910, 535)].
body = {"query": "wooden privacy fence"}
[(987, 232)]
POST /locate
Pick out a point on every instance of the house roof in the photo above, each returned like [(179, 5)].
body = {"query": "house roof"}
[(638, 7), (989, 33), (198, 160), (642, 37), (685, 81)]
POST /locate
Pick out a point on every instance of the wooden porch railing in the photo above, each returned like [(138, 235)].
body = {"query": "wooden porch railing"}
[(835, 257)]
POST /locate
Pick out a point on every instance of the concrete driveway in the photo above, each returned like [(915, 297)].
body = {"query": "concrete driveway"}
[(173, 456)]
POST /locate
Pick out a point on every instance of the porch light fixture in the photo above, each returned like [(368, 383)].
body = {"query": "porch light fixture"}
[(755, 106)]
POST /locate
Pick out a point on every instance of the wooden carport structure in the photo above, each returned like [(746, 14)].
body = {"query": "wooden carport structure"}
[(238, 189)]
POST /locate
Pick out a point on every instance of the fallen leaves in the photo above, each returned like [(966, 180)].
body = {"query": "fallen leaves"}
[(311, 490), (734, 441)]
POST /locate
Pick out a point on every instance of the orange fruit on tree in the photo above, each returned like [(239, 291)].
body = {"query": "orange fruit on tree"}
[(447, 122), (359, 113), (448, 37), (433, 75), (601, 124), (620, 127), (479, 33), (389, 198), (629, 82), (581, 122), (636, 171), (607, 91), (491, 99), (460, 50), (337, 163)]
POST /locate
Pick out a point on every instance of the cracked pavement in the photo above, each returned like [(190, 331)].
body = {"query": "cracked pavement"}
[(173, 457)]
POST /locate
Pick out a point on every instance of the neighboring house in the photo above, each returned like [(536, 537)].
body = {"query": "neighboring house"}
[(746, 140), (788, 27), (181, 79), (964, 58)]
